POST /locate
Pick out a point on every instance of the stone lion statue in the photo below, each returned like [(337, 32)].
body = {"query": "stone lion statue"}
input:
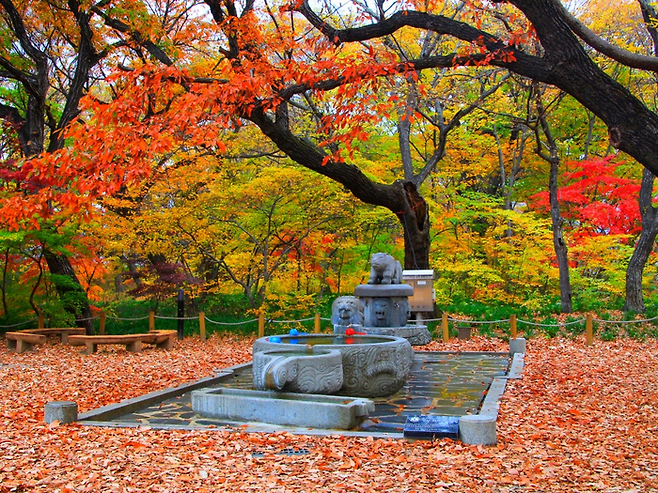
[(384, 269), (347, 310)]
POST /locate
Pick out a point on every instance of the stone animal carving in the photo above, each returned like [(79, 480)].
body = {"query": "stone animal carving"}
[(381, 309), (347, 310), (384, 269)]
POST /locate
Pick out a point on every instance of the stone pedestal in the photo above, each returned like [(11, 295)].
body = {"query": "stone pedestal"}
[(464, 333), (478, 429), (62, 411), (386, 312), (385, 305), (517, 345)]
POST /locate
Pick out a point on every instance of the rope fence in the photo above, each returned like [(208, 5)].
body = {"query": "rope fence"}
[(232, 323), (476, 322), (18, 324), (123, 319), (444, 321), (598, 320), (289, 321)]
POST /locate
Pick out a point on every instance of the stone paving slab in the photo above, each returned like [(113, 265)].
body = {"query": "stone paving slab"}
[(441, 384)]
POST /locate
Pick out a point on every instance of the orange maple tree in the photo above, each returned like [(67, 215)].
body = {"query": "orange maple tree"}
[(262, 62), (186, 76), (270, 60)]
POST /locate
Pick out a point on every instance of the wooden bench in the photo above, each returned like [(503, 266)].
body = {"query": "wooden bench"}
[(161, 338), (133, 342), (64, 333), (22, 341)]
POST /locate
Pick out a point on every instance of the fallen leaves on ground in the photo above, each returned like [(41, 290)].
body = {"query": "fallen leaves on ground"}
[(582, 419)]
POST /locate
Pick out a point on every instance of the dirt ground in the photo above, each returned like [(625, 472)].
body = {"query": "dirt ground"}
[(582, 419)]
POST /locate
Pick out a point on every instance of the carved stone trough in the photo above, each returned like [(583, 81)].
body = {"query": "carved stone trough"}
[(310, 370), (282, 408)]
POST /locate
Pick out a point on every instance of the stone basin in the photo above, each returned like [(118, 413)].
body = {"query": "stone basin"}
[(373, 365)]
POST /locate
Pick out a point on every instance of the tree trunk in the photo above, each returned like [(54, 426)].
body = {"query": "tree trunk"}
[(559, 245), (36, 123), (634, 298), (415, 224), (643, 246), (566, 305), (5, 269), (70, 290)]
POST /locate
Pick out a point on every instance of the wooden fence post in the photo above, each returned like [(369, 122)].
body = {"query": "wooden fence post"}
[(444, 325), (202, 326), (151, 320), (512, 326), (317, 323), (261, 324), (101, 323), (41, 321), (589, 329)]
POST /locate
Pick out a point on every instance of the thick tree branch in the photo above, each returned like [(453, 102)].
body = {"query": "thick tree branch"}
[(310, 156), (85, 60), (635, 60), (10, 114), (19, 30), (411, 18), (439, 61), (631, 125), (501, 54), (12, 72), (122, 27)]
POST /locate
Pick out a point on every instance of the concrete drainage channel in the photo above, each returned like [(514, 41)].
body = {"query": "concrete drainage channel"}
[(455, 395)]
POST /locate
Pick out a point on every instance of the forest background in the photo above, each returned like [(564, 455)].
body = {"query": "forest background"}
[(125, 181)]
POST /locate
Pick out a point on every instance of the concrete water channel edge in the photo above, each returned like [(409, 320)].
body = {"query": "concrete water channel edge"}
[(462, 389)]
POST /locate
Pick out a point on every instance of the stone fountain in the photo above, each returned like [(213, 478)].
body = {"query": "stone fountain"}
[(370, 332), (369, 355)]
